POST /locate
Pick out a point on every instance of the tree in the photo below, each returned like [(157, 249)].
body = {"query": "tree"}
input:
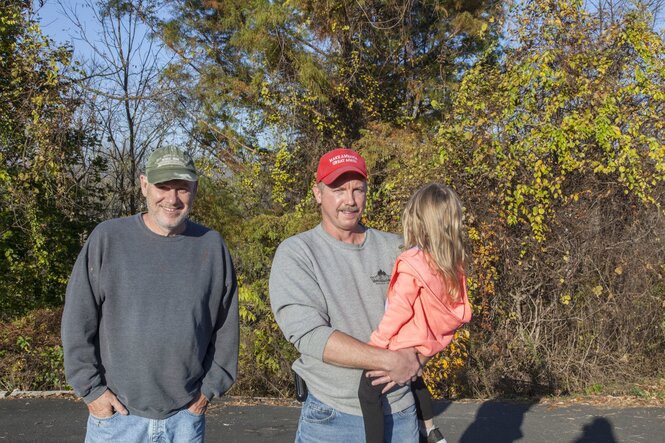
[(303, 77), (559, 153), (269, 86), (125, 94), (609, 11), (46, 193)]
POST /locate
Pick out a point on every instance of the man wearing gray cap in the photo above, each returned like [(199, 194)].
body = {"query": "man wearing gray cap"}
[(150, 325)]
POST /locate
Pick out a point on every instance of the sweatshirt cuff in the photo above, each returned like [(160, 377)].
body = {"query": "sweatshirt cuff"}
[(94, 394), (314, 343), (207, 393), (318, 339)]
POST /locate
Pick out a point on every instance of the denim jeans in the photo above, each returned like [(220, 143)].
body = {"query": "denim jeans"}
[(183, 427), (321, 423)]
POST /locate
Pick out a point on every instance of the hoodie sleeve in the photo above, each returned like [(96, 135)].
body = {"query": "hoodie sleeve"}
[(403, 291)]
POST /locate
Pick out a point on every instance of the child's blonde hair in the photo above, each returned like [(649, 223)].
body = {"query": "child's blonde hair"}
[(432, 221)]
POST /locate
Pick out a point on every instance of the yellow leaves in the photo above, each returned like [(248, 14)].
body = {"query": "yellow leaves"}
[(334, 27), (443, 369), (246, 297), (618, 270), (563, 112), (473, 234), (483, 30), (283, 180), (617, 131), (565, 298), (597, 290), (265, 90)]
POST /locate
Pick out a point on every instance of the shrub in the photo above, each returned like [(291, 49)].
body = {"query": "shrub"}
[(31, 352)]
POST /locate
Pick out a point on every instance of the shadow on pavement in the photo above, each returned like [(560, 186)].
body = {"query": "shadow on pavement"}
[(503, 421), (497, 421), (600, 429), (243, 420)]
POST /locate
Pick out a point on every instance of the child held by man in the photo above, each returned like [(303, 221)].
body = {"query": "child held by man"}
[(427, 299)]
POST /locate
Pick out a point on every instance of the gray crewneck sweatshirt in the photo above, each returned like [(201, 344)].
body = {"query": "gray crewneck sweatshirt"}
[(153, 318), (319, 284)]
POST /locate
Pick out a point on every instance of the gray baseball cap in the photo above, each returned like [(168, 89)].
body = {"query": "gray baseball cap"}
[(170, 163)]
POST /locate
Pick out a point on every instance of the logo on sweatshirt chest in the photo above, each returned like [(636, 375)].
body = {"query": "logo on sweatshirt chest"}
[(381, 278)]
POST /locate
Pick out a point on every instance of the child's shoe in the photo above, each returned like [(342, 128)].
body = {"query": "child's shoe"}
[(435, 436)]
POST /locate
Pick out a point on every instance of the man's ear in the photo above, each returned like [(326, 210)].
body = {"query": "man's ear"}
[(144, 185), (316, 190)]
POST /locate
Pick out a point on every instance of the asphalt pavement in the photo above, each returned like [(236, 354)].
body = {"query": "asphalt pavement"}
[(242, 420)]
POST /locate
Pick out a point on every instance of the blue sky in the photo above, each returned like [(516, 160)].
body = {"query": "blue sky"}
[(55, 18), (56, 25)]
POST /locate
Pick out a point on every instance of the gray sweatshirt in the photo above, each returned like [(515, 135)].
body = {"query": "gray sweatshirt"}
[(319, 284), (153, 318)]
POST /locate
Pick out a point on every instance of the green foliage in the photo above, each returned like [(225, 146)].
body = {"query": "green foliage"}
[(445, 372), (32, 357), (561, 124), (563, 104), (265, 356), (316, 74), (43, 205), (639, 392), (552, 136), (264, 348), (400, 160), (557, 149), (595, 388), (278, 83)]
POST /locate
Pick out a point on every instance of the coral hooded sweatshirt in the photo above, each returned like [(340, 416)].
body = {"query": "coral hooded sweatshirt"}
[(419, 313)]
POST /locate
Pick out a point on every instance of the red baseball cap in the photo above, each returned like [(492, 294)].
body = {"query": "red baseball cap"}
[(338, 161)]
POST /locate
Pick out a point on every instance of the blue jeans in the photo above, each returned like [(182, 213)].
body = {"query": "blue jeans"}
[(183, 427), (320, 423)]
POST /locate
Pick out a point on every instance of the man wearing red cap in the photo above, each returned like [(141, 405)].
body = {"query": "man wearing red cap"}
[(328, 289)]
